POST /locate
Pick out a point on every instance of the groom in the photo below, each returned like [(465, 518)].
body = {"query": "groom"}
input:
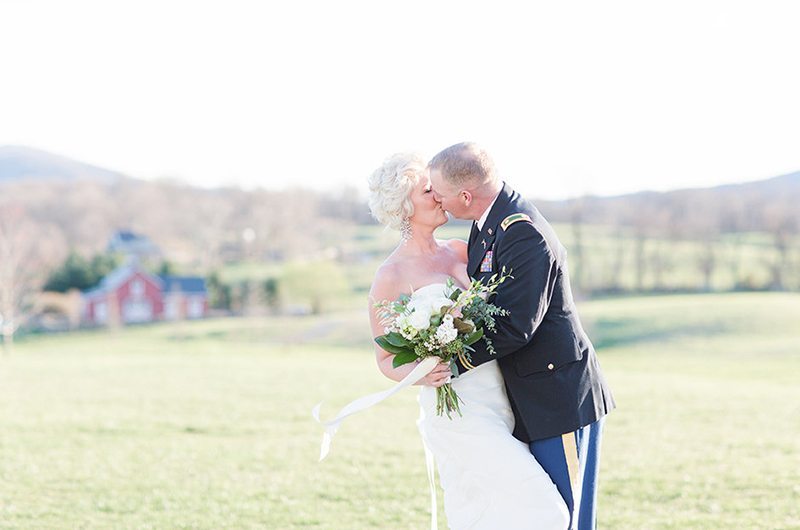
[(554, 383)]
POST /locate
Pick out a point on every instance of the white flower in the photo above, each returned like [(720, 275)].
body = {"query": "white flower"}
[(409, 333), (446, 333), (404, 327), (432, 301), (437, 303), (420, 319)]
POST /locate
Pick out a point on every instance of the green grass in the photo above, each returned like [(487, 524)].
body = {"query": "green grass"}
[(207, 424)]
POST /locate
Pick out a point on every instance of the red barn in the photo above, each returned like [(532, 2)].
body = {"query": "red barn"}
[(130, 295)]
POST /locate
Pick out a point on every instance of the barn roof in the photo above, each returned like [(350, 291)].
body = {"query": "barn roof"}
[(119, 276)]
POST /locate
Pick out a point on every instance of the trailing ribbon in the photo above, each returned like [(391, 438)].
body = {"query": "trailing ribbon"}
[(421, 370)]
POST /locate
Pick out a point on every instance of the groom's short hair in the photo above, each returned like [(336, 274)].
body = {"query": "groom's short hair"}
[(464, 163)]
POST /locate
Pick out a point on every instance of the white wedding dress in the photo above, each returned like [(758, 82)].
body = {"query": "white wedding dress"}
[(490, 479)]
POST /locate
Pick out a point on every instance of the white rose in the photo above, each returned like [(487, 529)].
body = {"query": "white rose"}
[(420, 319), (438, 302), (432, 300)]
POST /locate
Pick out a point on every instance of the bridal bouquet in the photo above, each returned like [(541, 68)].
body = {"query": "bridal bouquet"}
[(442, 323)]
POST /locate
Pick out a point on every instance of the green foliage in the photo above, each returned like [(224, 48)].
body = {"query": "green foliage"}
[(219, 293), (79, 273), (165, 268), (318, 284), (473, 337), (403, 357), (271, 288), (386, 343)]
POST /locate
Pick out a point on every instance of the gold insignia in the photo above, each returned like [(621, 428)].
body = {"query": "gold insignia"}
[(513, 218)]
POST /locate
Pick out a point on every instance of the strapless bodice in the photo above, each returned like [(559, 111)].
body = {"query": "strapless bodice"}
[(431, 288)]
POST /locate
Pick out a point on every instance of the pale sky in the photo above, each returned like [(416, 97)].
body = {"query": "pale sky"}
[(569, 97)]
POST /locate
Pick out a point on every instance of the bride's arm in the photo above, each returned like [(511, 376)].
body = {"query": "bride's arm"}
[(385, 288)]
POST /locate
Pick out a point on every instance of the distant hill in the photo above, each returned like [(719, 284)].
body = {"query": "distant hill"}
[(19, 163), (748, 205), (773, 186)]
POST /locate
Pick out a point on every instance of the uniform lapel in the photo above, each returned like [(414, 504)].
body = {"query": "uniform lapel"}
[(485, 239), (473, 236)]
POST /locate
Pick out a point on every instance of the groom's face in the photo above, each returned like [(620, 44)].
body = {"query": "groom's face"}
[(454, 201)]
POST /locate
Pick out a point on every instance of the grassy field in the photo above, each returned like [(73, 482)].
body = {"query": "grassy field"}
[(207, 424)]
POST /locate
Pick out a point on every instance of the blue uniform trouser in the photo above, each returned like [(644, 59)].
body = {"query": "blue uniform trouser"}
[(572, 460)]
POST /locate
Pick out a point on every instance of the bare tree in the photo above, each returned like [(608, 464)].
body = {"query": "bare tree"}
[(577, 246), (617, 262), (26, 252), (782, 226)]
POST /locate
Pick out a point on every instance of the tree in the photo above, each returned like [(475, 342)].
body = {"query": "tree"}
[(782, 225), (26, 249), (79, 273), (319, 284), (219, 293), (576, 220), (73, 273), (271, 288)]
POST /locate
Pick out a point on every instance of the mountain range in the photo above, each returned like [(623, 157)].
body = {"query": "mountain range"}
[(20, 163)]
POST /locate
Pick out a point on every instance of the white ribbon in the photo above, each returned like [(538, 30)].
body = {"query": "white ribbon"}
[(421, 370), (429, 463)]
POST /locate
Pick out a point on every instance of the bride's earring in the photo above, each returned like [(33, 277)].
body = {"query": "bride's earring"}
[(405, 230)]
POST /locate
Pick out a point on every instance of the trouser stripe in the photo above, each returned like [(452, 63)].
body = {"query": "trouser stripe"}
[(571, 455)]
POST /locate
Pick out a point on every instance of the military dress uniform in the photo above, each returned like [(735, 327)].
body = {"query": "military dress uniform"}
[(553, 379)]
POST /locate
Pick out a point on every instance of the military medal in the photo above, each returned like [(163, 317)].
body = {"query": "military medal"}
[(486, 264)]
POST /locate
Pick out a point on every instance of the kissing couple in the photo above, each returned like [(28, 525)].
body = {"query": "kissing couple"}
[(524, 451)]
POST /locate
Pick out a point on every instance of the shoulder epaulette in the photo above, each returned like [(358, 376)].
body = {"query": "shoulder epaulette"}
[(513, 218)]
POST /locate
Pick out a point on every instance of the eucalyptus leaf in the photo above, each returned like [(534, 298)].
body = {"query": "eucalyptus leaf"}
[(473, 337)]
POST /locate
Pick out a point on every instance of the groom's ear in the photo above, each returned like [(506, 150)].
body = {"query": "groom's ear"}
[(466, 197)]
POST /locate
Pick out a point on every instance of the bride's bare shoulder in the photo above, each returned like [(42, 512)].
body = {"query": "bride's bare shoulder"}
[(388, 276), (458, 246)]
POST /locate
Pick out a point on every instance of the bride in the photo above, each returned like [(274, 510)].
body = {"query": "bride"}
[(490, 479)]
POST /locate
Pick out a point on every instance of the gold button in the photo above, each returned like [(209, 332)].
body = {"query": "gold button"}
[(550, 366)]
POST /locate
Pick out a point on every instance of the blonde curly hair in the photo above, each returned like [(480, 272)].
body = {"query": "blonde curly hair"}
[(390, 188)]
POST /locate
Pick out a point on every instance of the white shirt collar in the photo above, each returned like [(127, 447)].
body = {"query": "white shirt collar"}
[(486, 213)]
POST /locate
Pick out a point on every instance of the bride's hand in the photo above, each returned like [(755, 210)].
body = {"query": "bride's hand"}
[(438, 376)]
